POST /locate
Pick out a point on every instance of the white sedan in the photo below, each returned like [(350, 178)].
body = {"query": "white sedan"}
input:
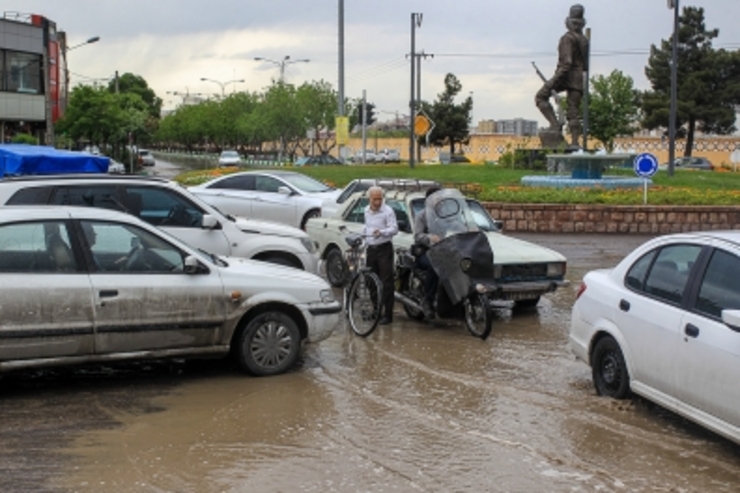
[(83, 285), (523, 271), (665, 324), (280, 196)]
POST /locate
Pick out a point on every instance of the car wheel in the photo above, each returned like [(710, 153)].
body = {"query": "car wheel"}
[(310, 214), (336, 268), (609, 369), (269, 344)]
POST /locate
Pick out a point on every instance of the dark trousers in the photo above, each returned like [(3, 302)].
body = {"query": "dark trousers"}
[(380, 260), (432, 279)]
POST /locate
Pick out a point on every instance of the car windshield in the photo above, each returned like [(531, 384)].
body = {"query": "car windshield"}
[(305, 183), (229, 154), (481, 217)]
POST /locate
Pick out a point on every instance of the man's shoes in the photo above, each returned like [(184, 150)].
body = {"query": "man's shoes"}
[(426, 307), (385, 321)]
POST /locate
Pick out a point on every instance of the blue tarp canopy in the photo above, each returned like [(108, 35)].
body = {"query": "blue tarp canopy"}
[(24, 159)]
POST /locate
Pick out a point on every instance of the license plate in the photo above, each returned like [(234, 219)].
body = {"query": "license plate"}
[(520, 296)]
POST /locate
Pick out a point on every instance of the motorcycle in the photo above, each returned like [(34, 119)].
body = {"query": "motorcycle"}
[(463, 260)]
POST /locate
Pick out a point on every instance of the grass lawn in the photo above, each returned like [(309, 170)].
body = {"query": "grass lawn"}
[(686, 187)]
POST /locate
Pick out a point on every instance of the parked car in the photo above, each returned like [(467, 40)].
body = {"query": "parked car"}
[(523, 271), (116, 168), (145, 157), (321, 159), (694, 163), (370, 156), (665, 324), (169, 206), (285, 197), (389, 156), (330, 206), (229, 158), (86, 285)]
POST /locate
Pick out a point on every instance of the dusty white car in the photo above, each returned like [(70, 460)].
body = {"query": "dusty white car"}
[(229, 158), (169, 206), (523, 271), (91, 285), (665, 324), (285, 197)]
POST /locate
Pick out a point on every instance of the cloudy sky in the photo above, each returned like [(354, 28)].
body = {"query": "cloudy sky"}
[(488, 44)]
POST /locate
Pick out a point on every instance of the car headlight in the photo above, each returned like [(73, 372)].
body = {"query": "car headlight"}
[(309, 244), (327, 296), (555, 269)]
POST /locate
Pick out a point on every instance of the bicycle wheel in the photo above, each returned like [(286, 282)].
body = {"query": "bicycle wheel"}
[(364, 303), (478, 316)]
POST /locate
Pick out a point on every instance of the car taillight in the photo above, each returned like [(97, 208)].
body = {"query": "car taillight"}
[(581, 290)]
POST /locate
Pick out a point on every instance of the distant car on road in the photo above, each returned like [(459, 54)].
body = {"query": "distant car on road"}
[(699, 163), (82, 285), (388, 156), (320, 160), (665, 324), (116, 168), (370, 156), (145, 157), (229, 158)]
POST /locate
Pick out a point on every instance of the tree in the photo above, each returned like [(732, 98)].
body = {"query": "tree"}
[(613, 107), (130, 83), (451, 121), (708, 86)]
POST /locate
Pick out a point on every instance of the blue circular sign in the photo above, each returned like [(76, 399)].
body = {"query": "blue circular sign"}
[(645, 165)]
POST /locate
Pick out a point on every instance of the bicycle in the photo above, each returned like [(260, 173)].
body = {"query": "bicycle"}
[(363, 290)]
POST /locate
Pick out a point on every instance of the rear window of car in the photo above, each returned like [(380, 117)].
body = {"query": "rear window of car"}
[(31, 196)]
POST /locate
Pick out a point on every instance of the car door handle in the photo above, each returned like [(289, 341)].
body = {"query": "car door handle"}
[(624, 305), (691, 330), (108, 293)]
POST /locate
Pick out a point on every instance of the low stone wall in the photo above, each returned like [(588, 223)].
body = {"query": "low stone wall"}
[(557, 218)]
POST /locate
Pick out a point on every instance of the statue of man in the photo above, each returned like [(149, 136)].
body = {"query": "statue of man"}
[(569, 75)]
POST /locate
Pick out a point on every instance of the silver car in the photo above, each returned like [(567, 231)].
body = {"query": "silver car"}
[(91, 285)]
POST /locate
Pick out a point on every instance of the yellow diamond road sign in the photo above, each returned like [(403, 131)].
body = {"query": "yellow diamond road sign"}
[(422, 125)]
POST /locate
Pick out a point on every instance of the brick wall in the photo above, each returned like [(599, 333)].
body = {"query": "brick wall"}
[(556, 218)]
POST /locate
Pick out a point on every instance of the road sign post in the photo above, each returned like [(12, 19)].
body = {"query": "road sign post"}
[(645, 165)]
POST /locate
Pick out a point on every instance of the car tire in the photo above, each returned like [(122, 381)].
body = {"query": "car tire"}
[(336, 267), (310, 214), (269, 344), (609, 370)]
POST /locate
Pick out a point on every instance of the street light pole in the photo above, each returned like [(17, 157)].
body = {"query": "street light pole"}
[(282, 63), (222, 84), (674, 82)]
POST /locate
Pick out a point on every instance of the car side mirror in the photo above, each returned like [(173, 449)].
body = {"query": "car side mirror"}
[(284, 191), (498, 224), (193, 266), (731, 318), (210, 222)]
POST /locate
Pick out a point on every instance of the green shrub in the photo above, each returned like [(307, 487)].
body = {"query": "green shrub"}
[(25, 139)]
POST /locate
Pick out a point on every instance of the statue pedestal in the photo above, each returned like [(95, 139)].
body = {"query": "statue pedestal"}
[(552, 139)]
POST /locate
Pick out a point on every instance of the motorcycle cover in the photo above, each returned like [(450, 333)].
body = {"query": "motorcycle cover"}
[(463, 255)]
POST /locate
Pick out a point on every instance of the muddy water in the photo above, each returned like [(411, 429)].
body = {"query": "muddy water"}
[(412, 408)]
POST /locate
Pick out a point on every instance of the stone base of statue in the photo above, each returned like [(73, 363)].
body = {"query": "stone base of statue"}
[(552, 138)]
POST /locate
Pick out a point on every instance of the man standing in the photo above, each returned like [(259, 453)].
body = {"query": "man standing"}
[(569, 74), (380, 227)]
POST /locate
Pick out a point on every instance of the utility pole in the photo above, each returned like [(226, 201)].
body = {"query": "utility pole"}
[(415, 22), (419, 56), (117, 88), (364, 127), (674, 83)]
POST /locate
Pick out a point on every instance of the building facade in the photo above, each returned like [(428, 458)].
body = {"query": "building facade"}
[(32, 76)]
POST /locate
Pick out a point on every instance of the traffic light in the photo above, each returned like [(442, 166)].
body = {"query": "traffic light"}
[(369, 114), (360, 115)]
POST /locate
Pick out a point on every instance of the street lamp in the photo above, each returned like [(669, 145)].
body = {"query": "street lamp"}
[(92, 40), (222, 84), (282, 63)]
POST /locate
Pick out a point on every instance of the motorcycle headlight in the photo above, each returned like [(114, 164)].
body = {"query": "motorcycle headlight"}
[(309, 244), (327, 295), (465, 264), (555, 269)]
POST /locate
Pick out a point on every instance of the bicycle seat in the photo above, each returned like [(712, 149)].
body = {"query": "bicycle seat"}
[(354, 240)]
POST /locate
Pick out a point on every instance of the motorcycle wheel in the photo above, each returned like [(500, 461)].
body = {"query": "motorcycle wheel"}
[(478, 315)]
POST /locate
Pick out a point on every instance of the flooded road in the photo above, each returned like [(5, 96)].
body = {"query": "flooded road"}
[(414, 407)]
